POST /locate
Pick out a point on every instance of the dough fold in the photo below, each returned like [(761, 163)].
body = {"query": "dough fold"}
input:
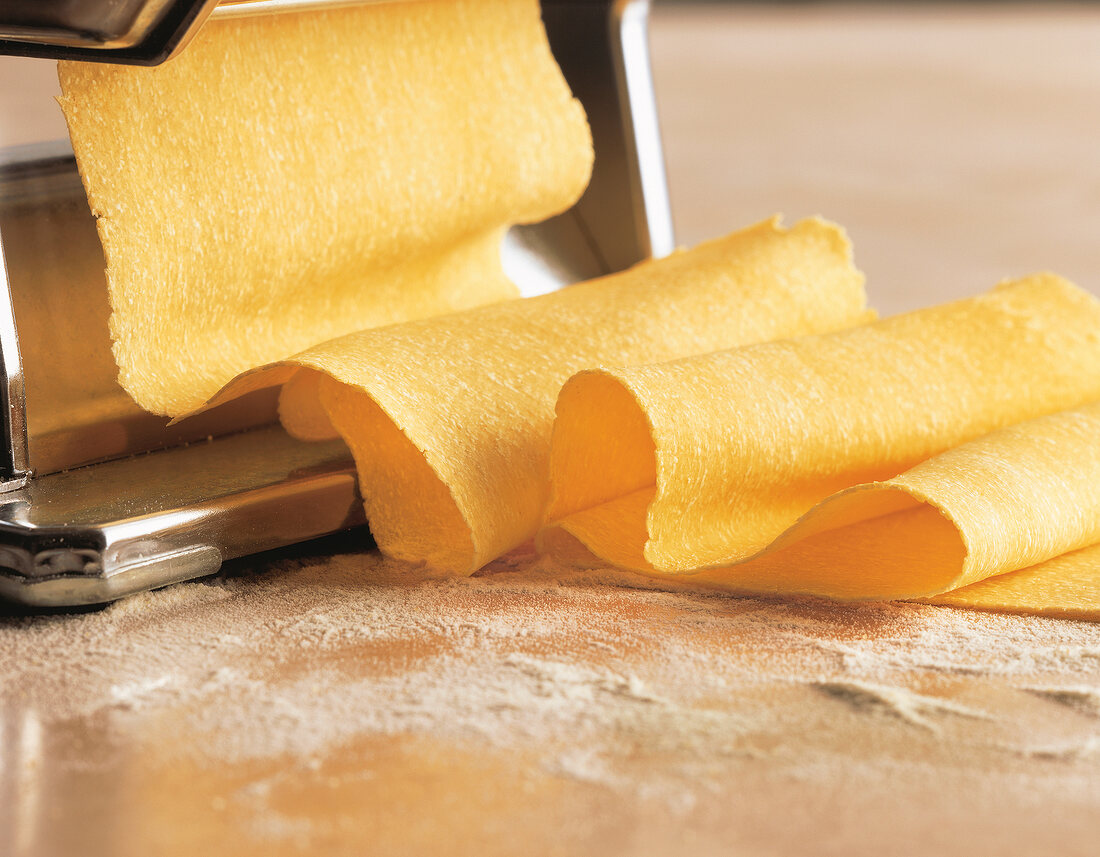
[(775, 467), (449, 418)]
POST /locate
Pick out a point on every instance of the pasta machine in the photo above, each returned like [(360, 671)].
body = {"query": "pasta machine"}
[(99, 499)]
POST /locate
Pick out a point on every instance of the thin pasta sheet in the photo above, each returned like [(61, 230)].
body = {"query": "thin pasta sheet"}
[(877, 462), (316, 200), (291, 178), (450, 418)]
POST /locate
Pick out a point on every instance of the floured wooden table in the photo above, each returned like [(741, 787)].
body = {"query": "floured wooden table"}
[(325, 701)]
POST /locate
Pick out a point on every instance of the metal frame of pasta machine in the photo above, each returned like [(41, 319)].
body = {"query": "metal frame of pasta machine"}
[(99, 499)]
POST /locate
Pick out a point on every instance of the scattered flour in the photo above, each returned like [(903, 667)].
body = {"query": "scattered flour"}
[(1084, 700), (595, 667), (1064, 752), (913, 708)]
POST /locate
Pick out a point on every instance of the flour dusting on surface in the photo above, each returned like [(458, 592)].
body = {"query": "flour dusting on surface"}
[(602, 683)]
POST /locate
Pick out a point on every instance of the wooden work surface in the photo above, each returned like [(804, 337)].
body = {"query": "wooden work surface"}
[(337, 704)]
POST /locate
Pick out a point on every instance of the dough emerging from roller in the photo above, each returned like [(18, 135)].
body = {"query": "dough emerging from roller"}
[(291, 178), (316, 200), (727, 466), (450, 418)]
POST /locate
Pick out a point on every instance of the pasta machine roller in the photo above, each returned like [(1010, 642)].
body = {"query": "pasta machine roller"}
[(99, 499)]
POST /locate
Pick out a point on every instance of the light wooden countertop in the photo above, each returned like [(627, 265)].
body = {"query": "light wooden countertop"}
[(956, 143), (336, 704)]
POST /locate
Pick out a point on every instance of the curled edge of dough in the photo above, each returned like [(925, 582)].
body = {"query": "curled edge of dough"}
[(914, 535), (1065, 587), (992, 523)]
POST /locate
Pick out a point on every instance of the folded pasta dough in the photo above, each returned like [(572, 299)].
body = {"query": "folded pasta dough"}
[(703, 466), (1066, 587), (1028, 498), (291, 178), (449, 418)]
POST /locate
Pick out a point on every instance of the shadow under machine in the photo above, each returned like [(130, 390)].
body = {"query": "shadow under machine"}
[(99, 499)]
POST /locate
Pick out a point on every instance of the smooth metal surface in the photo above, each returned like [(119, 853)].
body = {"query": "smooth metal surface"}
[(251, 8), (142, 32), (602, 48), (13, 423), (82, 23), (98, 533), (65, 409), (642, 151)]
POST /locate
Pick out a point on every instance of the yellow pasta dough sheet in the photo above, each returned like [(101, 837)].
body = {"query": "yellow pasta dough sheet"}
[(775, 467), (1027, 498), (1066, 587), (291, 178), (450, 418), (316, 200)]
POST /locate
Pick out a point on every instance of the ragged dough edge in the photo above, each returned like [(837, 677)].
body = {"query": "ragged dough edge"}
[(1065, 587), (300, 410), (578, 410), (312, 427), (393, 471), (950, 564), (812, 538), (396, 473)]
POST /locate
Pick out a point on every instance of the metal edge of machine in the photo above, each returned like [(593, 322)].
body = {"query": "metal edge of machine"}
[(63, 544), (157, 31)]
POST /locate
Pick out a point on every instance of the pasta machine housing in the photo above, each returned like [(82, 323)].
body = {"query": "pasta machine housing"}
[(99, 499)]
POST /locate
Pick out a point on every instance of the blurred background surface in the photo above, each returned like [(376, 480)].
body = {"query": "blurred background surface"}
[(957, 142)]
